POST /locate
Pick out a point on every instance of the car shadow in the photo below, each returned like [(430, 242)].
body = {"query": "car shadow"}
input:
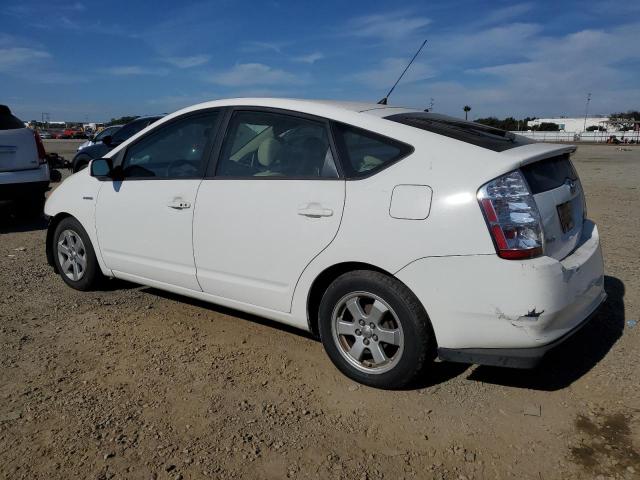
[(572, 359), (560, 368), (230, 312), (12, 222)]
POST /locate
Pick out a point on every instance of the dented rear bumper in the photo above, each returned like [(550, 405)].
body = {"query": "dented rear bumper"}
[(509, 357), (482, 304)]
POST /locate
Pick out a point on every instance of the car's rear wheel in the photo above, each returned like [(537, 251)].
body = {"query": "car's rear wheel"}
[(74, 256), (375, 330)]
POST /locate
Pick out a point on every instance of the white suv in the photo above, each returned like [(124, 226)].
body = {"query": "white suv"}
[(24, 172), (393, 234)]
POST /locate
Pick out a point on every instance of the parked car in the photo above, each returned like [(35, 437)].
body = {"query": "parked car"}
[(97, 138), (109, 142), (396, 235), (44, 135), (24, 173)]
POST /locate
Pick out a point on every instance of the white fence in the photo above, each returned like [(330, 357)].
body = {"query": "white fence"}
[(596, 137)]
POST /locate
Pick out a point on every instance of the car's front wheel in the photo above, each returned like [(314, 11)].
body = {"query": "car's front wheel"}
[(375, 330), (74, 256)]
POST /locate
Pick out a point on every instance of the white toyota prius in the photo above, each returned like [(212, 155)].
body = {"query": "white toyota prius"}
[(396, 236)]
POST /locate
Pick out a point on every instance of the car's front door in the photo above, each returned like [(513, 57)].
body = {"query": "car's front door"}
[(275, 202), (144, 222)]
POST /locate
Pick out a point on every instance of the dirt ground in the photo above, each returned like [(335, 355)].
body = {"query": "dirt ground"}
[(131, 382)]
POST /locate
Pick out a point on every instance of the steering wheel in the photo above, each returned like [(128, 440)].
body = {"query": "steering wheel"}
[(176, 164)]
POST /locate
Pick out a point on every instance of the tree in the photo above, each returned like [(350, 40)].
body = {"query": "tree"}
[(508, 123), (624, 121), (547, 127), (466, 109)]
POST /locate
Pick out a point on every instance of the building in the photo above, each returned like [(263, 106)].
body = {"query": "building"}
[(576, 125)]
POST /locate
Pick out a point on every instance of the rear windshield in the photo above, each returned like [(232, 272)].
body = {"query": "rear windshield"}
[(549, 173), (468, 132), (7, 120)]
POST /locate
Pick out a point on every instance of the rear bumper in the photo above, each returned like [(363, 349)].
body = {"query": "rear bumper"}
[(509, 357), (481, 302), (24, 183)]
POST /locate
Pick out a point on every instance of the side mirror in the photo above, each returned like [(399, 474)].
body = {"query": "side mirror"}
[(101, 168), (107, 140)]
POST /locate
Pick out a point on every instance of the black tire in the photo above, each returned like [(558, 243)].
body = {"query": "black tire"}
[(418, 341), (81, 163), (91, 275)]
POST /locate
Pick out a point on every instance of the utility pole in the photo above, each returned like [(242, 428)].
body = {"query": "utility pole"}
[(586, 112)]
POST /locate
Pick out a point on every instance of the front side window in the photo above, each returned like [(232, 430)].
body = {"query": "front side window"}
[(174, 151), (262, 144), (363, 152)]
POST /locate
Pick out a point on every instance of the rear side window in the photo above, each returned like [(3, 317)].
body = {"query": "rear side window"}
[(9, 121), (273, 145), (364, 153), (469, 132)]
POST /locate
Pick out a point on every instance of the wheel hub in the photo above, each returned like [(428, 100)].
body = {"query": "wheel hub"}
[(367, 332), (72, 255)]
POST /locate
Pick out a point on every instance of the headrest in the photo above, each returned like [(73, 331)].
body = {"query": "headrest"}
[(268, 151)]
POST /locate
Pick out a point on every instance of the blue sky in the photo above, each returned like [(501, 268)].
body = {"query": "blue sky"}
[(97, 60)]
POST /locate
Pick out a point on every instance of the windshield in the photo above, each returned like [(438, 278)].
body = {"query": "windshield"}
[(130, 129), (7, 120), (107, 131), (468, 132)]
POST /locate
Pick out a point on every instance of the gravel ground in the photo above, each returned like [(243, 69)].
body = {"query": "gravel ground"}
[(131, 382)]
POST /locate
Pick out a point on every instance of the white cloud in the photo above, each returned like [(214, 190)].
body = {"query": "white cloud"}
[(515, 69), (13, 57), (311, 58), (505, 13), (249, 74), (134, 70), (387, 26), (188, 62)]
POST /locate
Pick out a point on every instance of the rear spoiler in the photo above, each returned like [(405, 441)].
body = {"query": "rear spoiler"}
[(533, 152)]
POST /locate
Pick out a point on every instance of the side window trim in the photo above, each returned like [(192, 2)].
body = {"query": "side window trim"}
[(344, 155), (122, 155), (224, 131)]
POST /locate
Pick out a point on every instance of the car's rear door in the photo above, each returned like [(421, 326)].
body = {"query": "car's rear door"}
[(273, 203), (144, 222)]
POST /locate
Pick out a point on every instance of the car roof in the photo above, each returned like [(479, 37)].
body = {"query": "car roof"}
[(308, 105)]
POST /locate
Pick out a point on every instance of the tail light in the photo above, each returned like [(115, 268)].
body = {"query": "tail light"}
[(42, 154), (512, 217)]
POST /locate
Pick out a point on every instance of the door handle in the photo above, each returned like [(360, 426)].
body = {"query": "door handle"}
[(178, 204), (315, 210)]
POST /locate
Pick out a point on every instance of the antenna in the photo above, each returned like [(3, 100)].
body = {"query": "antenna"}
[(384, 100)]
